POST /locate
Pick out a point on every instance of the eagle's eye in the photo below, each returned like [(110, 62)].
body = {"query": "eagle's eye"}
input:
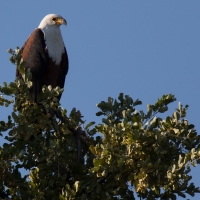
[(54, 19)]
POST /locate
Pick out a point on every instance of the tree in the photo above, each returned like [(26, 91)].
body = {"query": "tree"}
[(131, 153)]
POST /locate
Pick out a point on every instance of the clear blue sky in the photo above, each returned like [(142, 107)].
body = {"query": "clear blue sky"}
[(142, 48)]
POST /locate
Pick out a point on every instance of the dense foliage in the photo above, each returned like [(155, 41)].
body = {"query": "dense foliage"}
[(50, 154)]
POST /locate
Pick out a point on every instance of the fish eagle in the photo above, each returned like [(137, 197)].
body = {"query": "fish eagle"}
[(45, 55)]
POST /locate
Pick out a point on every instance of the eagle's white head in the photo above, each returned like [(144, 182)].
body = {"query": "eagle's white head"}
[(52, 20), (50, 25)]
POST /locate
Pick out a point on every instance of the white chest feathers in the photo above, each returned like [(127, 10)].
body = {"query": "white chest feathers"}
[(54, 42)]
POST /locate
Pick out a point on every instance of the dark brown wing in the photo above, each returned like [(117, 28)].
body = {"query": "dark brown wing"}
[(64, 66), (36, 58)]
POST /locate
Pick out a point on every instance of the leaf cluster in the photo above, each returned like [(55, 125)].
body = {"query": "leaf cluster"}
[(144, 152), (135, 153)]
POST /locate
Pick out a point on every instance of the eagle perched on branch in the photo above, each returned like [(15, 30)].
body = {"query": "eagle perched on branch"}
[(45, 55)]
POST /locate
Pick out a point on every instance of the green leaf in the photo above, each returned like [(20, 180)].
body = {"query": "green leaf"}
[(153, 120), (7, 91), (92, 131), (77, 185), (191, 126), (98, 162), (121, 97), (64, 112), (181, 194), (157, 190), (163, 109), (13, 85), (15, 117), (29, 84), (21, 69), (5, 84), (137, 102), (99, 113), (89, 124), (149, 111), (106, 121), (2, 123)]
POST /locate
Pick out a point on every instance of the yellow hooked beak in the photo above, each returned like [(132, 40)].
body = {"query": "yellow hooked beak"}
[(59, 21)]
